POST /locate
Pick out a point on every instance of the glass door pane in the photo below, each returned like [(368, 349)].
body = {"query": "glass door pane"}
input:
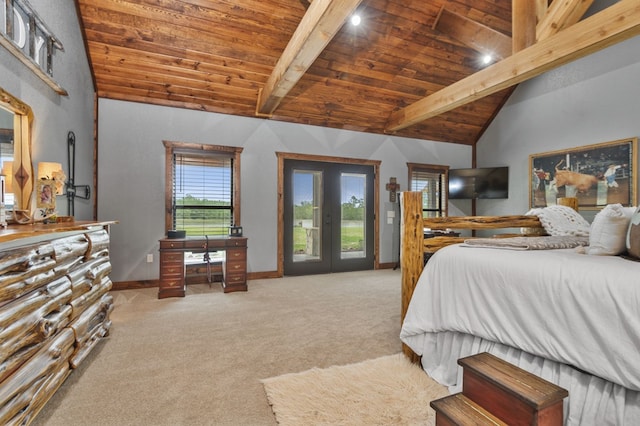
[(353, 190), (307, 215)]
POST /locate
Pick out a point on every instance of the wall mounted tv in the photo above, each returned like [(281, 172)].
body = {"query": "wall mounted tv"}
[(484, 182)]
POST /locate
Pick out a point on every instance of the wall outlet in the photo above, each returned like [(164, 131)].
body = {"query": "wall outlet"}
[(150, 258)]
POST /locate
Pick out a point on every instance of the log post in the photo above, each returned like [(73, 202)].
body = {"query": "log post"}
[(569, 202), (411, 252)]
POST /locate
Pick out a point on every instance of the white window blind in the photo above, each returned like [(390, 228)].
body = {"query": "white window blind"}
[(202, 193), (431, 183)]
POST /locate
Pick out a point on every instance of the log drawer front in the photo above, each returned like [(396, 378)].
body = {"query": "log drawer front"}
[(60, 284), (172, 269)]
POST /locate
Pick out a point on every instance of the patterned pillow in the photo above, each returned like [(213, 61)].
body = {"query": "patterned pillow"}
[(563, 221), (633, 235)]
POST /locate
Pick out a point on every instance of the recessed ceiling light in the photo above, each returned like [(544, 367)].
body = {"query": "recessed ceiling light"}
[(486, 59), (355, 20)]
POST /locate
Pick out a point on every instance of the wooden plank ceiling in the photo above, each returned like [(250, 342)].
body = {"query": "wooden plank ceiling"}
[(298, 61)]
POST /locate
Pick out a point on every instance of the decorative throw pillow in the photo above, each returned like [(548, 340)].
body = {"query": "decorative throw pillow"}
[(563, 221), (608, 233), (633, 235)]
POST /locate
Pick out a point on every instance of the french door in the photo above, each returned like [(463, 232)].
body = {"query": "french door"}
[(328, 217)]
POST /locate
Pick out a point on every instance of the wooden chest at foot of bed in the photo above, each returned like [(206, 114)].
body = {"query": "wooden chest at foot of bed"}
[(493, 388)]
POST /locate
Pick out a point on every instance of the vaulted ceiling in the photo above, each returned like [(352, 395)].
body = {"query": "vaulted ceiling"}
[(412, 68)]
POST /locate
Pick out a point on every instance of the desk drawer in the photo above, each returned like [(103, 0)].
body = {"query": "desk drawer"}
[(169, 282), (236, 242), (235, 267), (171, 244), (171, 257), (196, 245), (234, 255), (235, 279), (170, 271)]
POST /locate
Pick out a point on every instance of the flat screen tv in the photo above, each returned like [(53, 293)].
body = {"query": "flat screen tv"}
[(484, 182)]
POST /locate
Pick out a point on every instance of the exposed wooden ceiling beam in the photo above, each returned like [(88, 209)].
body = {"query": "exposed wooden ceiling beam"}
[(318, 26), (560, 15), (612, 25), (541, 8), (473, 34), (523, 24)]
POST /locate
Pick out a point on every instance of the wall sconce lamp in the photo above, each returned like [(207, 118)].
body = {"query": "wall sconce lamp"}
[(52, 171), (49, 185)]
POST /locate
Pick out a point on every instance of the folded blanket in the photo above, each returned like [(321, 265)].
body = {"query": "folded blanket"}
[(529, 243)]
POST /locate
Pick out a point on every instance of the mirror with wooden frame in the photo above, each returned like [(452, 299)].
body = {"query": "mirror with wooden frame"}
[(16, 119)]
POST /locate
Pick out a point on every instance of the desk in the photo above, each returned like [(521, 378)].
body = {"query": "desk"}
[(172, 269)]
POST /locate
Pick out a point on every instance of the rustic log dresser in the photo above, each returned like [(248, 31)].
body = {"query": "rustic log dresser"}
[(54, 308)]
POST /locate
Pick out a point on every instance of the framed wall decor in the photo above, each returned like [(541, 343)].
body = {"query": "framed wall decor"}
[(46, 195), (597, 175)]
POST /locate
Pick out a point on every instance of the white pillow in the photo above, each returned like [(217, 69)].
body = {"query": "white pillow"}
[(563, 221), (608, 233)]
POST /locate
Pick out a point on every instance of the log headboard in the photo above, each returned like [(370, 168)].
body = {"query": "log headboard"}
[(413, 245)]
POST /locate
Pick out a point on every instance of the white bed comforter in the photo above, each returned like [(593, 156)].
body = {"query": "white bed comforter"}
[(567, 307)]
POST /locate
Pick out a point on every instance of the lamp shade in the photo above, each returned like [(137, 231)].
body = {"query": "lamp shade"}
[(52, 171), (7, 171)]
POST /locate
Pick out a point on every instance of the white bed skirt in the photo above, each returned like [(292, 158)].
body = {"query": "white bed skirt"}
[(591, 401)]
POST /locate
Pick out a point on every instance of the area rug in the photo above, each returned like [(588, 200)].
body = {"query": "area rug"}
[(382, 391)]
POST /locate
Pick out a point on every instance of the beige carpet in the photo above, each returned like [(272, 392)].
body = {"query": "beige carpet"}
[(198, 360), (384, 391)]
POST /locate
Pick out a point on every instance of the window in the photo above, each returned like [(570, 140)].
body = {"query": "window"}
[(202, 188), (432, 182)]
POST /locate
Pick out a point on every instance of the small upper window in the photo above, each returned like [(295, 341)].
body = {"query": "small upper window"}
[(431, 180)]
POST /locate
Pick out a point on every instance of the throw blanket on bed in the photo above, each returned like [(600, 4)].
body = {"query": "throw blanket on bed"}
[(529, 243)]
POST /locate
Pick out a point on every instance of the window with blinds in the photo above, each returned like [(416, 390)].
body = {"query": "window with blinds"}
[(431, 181), (202, 193)]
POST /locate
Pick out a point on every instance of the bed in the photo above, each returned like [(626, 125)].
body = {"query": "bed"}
[(566, 316)]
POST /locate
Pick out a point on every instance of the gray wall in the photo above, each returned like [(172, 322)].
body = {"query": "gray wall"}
[(55, 115), (132, 167), (592, 100)]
